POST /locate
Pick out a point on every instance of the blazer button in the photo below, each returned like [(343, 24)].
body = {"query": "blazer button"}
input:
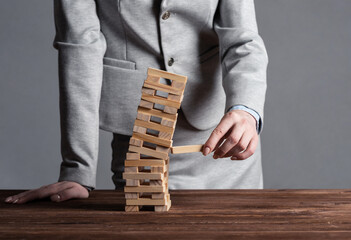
[(170, 61), (166, 15)]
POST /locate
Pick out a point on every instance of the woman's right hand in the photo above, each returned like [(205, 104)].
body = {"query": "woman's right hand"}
[(58, 192)]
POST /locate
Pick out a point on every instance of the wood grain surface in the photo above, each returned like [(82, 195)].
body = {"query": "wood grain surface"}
[(195, 214)]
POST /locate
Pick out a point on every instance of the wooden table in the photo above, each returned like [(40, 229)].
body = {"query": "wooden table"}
[(198, 214)]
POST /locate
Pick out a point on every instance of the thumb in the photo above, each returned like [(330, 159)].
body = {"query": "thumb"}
[(69, 193)]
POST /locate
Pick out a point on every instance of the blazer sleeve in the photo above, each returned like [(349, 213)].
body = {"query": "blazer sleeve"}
[(243, 55), (81, 47)]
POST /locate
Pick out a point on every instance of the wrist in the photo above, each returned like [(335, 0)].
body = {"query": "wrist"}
[(251, 119), (253, 113)]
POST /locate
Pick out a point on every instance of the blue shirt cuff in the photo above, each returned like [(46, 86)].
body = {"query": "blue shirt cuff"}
[(252, 112)]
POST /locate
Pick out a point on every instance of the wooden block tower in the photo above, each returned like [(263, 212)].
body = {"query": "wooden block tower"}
[(147, 161)]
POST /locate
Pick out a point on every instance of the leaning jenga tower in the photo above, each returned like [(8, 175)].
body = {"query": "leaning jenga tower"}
[(147, 161)]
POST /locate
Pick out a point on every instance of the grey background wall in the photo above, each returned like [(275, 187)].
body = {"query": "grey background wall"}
[(307, 119)]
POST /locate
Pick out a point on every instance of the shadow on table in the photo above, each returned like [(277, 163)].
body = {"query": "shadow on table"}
[(79, 204), (97, 201)]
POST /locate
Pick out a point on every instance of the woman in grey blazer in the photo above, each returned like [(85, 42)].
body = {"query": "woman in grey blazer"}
[(105, 48)]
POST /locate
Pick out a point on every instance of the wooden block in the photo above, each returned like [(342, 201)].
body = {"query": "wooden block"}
[(135, 142), (152, 139), (158, 195), (162, 149), (177, 98), (139, 129), (167, 75), (147, 189), (151, 176), (148, 152), (168, 123), (158, 169), (151, 125), (148, 90), (178, 85), (165, 135), (129, 195), (146, 201), (164, 88), (156, 182), (145, 162), (132, 156), (132, 182), (170, 110), (146, 104), (131, 169), (161, 100), (152, 79), (144, 117), (164, 208), (132, 208), (186, 149), (158, 113)]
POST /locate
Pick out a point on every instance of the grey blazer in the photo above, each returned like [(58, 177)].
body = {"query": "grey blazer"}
[(106, 46)]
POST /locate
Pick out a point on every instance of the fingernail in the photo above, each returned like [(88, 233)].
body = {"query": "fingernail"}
[(8, 199), (15, 201), (234, 158), (207, 151)]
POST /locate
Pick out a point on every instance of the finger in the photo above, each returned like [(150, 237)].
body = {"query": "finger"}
[(42, 192), (231, 142), (250, 150), (69, 193), (248, 135), (221, 141), (12, 198), (17, 197), (25, 197), (239, 148), (217, 134), (242, 145)]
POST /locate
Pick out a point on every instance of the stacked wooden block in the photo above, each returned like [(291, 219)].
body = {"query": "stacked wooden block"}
[(147, 161)]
